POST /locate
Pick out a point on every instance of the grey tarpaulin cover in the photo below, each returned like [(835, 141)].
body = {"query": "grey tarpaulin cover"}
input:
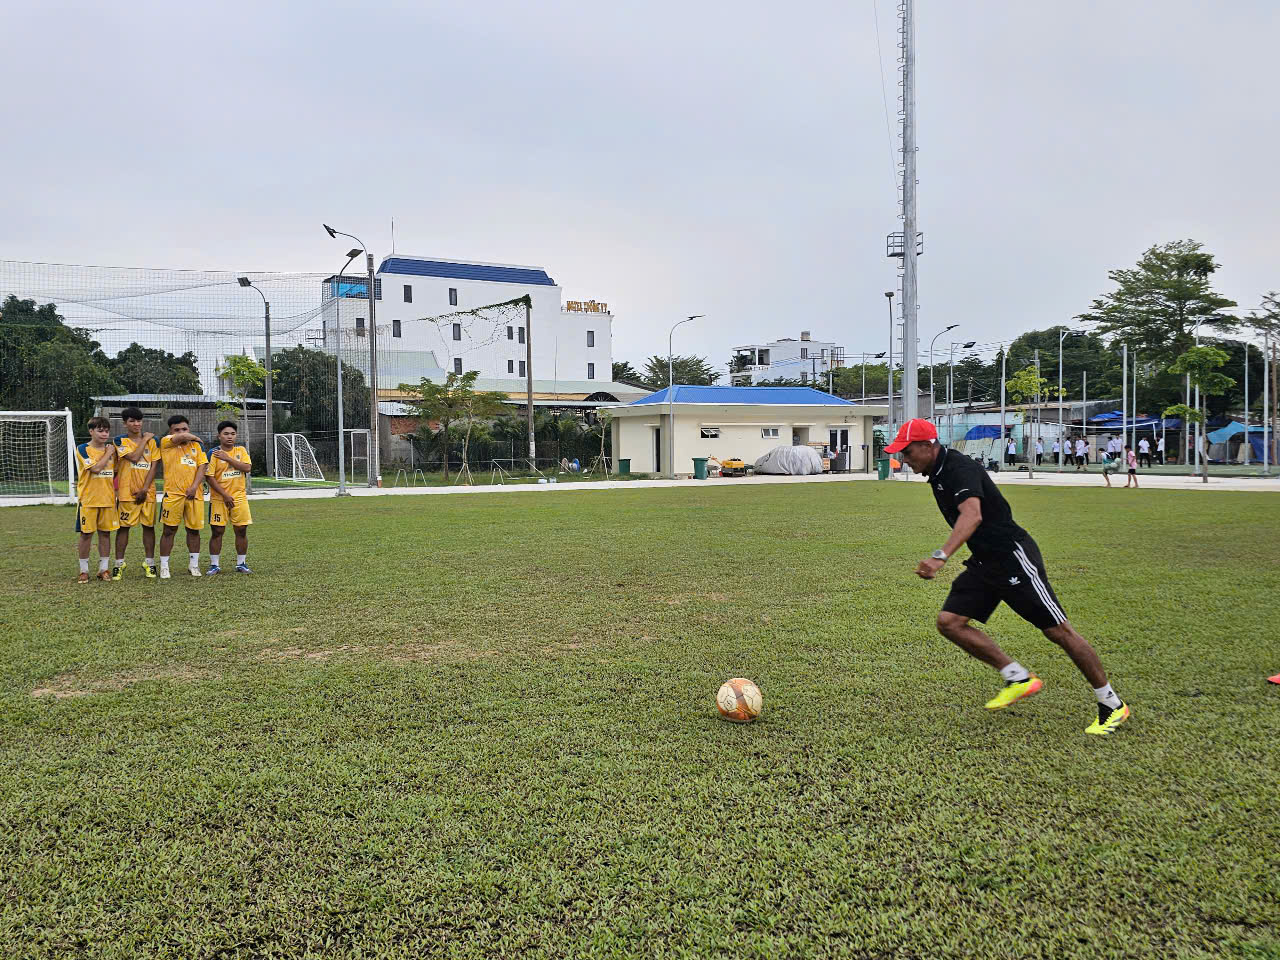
[(793, 461)]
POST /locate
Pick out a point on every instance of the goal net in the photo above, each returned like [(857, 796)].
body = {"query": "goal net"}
[(37, 459), (295, 458)]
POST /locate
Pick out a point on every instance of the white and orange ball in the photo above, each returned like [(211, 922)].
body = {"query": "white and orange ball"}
[(739, 700)]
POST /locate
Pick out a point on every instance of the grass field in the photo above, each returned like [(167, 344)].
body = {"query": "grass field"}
[(483, 726)]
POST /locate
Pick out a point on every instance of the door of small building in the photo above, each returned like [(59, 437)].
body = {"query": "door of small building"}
[(657, 449), (839, 439)]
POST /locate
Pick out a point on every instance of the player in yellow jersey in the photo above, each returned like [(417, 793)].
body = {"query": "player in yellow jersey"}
[(229, 464), (136, 490), (96, 491), (184, 467)]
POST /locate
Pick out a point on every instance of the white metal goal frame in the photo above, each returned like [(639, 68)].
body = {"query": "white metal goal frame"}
[(48, 471), (295, 458), (355, 446)]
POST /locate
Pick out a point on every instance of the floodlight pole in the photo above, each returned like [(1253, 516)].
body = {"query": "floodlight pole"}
[(1246, 403), (671, 389), (889, 294), (337, 352), (933, 397), (528, 373), (375, 474), (266, 327)]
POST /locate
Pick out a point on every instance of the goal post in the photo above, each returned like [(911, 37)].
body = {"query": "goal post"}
[(295, 458), (37, 455)]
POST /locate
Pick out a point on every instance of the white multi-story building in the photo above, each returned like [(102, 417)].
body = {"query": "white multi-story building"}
[(805, 360), (426, 327)]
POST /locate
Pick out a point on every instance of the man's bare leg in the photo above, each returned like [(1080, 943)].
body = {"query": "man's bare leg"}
[(972, 640), (1081, 653)]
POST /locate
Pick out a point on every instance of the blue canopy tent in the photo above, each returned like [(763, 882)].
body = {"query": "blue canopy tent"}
[(984, 431)]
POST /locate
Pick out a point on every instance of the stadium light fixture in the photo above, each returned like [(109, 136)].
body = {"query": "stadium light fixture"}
[(333, 234), (244, 281)]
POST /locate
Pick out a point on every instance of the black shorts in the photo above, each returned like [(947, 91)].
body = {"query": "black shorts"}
[(1017, 578)]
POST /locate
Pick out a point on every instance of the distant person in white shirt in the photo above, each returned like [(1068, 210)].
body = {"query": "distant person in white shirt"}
[(1081, 450), (1039, 451), (1144, 452), (1057, 449), (1160, 450), (1011, 453)]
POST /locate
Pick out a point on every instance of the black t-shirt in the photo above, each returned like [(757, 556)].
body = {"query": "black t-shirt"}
[(955, 478)]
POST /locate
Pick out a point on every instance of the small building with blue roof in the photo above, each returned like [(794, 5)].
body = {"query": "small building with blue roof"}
[(669, 428)]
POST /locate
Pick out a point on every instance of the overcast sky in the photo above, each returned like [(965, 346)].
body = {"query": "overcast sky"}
[(667, 157)]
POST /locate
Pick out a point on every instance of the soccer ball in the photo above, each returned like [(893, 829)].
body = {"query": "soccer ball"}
[(739, 700)]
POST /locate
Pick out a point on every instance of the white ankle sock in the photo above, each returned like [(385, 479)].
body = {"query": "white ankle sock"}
[(1107, 697), (103, 563), (194, 561), (164, 563), (84, 566), (150, 561), (1015, 672), (241, 559)]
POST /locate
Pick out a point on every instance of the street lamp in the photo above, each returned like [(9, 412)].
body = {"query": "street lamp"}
[(951, 366), (337, 352), (933, 397), (671, 389), (266, 326), (874, 356), (375, 474), (1061, 439), (889, 295)]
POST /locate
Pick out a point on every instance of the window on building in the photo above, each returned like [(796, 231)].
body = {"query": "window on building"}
[(511, 333), (769, 433), (520, 330), (591, 338), (522, 369), (591, 371), (457, 364), (804, 376), (710, 433), (359, 326), (457, 331), (408, 293), (804, 353), (511, 366), (453, 296), (395, 328)]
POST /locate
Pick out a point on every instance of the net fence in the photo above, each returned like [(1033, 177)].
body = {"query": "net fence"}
[(97, 340)]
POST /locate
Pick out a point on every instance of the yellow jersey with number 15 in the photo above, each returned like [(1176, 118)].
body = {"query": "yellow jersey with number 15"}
[(181, 461), (95, 489), (231, 479), (132, 474)]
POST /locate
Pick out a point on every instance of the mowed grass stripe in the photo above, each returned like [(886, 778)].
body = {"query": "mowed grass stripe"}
[(484, 725)]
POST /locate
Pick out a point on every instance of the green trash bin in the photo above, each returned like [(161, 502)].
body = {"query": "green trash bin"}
[(624, 466), (700, 468), (882, 468)]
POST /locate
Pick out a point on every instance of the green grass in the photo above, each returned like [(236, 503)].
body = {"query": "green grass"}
[(483, 727)]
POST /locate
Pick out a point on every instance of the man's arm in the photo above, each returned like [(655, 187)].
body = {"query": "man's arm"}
[(194, 489), (184, 436), (244, 466), (142, 494), (107, 459), (139, 450), (969, 521), (218, 489)]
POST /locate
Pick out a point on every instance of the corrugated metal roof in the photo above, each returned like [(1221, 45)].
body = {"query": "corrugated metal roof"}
[(188, 398), (494, 273), (785, 396)]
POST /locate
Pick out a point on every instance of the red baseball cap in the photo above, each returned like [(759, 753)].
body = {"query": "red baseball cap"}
[(912, 430)]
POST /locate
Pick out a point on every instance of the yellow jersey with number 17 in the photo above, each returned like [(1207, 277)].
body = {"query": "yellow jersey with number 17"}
[(231, 479), (95, 489), (132, 474), (181, 461)]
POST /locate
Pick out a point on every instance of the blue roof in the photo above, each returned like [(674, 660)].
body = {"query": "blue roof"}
[(415, 267), (806, 396)]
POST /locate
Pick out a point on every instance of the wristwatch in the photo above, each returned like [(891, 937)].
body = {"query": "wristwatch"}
[(939, 555)]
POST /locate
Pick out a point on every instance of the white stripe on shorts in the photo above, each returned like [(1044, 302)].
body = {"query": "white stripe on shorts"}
[(1042, 591)]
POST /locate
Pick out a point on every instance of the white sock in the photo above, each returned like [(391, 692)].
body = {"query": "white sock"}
[(1107, 697), (118, 562), (150, 561), (1015, 673), (103, 563), (240, 559), (164, 564), (194, 562), (84, 566)]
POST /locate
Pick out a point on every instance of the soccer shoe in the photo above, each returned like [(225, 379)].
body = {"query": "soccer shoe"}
[(164, 574), (1108, 719), (1275, 679), (194, 571), (104, 576), (215, 570), (118, 572), (149, 571), (83, 578), (1013, 692), (243, 568)]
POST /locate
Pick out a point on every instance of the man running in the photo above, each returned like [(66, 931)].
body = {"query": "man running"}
[(1005, 564)]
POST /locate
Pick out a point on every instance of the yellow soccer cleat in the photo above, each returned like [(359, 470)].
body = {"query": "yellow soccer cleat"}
[(149, 571), (1013, 692), (1108, 720), (118, 572)]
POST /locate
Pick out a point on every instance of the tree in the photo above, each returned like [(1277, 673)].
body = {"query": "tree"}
[(45, 364), (452, 404), (1201, 364), (624, 372), (1026, 385), (142, 369), (687, 370), (308, 379), (244, 374), (1157, 304)]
